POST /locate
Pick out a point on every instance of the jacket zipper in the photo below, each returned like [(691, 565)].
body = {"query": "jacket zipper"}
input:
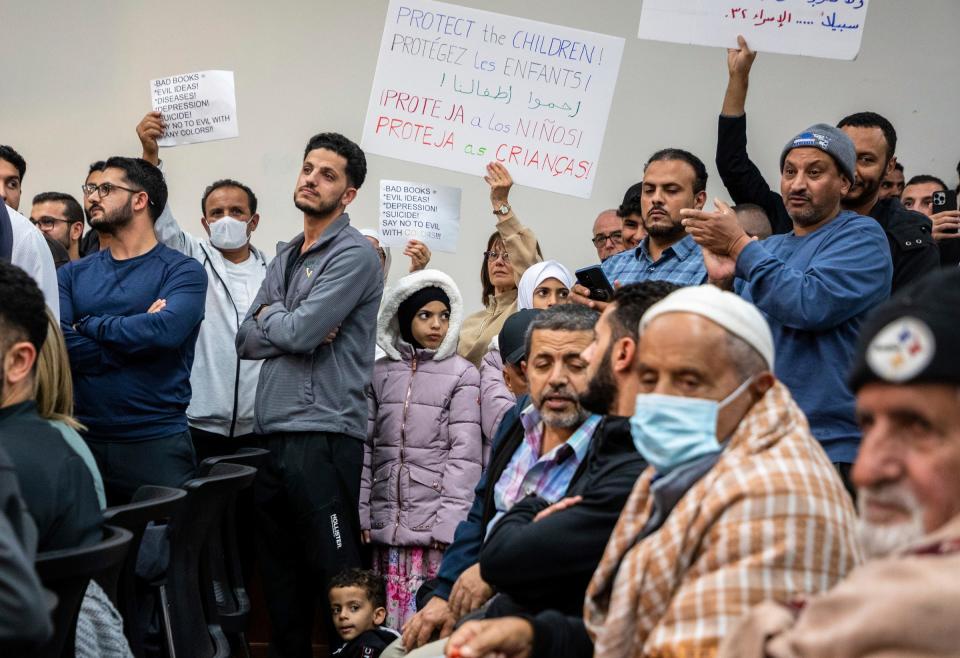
[(403, 441)]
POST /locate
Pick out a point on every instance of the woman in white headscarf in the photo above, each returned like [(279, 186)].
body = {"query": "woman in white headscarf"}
[(544, 285)]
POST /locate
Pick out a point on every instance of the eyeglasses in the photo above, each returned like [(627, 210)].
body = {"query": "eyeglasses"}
[(47, 223), (600, 238), (492, 256), (104, 189)]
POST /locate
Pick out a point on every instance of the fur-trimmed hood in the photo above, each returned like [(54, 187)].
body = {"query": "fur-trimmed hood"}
[(388, 328)]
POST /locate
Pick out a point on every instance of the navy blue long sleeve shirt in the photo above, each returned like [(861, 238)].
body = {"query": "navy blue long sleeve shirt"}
[(131, 369)]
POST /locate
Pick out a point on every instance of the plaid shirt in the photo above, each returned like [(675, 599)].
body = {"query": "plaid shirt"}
[(548, 476), (770, 521), (680, 263)]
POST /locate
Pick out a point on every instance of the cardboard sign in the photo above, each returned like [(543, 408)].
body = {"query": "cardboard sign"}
[(458, 87), (419, 211), (197, 107), (817, 28)]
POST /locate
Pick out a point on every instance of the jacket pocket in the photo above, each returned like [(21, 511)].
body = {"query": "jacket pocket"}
[(422, 497), (383, 496)]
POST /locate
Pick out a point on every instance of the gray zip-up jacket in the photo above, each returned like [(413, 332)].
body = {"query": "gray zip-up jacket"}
[(307, 385), (223, 385)]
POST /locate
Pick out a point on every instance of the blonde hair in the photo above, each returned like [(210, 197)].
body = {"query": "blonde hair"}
[(53, 384)]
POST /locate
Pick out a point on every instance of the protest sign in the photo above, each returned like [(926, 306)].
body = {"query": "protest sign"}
[(458, 87), (818, 28), (197, 107), (418, 211)]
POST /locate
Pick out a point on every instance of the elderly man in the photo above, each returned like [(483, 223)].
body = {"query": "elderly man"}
[(607, 234), (906, 599), (739, 500), (814, 285)]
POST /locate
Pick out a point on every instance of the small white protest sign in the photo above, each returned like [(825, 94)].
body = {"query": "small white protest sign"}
[(817, 28), (419, 211), (197, 107)]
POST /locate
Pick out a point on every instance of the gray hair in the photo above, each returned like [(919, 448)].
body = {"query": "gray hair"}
[(562, 317), (744, 358)]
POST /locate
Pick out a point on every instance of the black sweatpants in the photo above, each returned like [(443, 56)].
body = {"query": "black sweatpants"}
[(126, 465), (308, 529)]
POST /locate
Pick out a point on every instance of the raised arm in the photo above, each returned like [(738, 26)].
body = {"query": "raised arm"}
[(519, 240), (738, 172)]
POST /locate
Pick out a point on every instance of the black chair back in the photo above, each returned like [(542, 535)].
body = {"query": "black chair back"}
[(67, 573), (231, 555), (246, 456), (188, 604), (150, 504)]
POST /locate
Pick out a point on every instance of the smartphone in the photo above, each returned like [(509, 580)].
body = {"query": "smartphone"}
[(944, 200), (593, 279)]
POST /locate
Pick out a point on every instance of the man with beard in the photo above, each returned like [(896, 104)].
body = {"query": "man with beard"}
[(814, 284), (541, 454), (60, 218), (737, 502), (909, 239), (130, 316), (673, 179), (310, 407), (906, 599)]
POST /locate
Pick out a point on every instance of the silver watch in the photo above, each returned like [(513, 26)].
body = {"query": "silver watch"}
[(503, 210)]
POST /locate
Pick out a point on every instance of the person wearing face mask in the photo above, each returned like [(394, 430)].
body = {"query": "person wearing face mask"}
[(224, 386), (739, 502)]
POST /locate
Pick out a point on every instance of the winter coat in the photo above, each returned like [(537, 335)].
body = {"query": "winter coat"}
[(495, 398), (423, 452)]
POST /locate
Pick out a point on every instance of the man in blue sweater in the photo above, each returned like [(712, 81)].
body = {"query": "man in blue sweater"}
[(814, 284), (130, 315)]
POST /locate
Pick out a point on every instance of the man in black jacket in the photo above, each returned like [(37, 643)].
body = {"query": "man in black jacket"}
[(540, 557), (908, 233), (56, 485)]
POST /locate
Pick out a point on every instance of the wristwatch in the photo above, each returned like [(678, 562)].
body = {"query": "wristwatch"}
[(503, 210)]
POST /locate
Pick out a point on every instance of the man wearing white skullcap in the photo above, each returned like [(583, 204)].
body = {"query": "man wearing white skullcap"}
[(739, 502)]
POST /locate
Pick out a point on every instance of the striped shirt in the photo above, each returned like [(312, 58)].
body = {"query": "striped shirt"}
[(547, 476), (681, 263)]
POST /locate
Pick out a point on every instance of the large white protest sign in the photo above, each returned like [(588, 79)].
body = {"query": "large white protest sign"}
[(197, 107), (818, 28), (458, 87), (418, 211)]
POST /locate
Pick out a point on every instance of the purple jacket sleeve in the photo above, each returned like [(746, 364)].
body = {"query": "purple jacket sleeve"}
[(462, 467), (366, 479), (495, 398)]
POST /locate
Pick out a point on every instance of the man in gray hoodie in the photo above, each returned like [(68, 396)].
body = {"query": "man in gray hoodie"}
[(310, 404)]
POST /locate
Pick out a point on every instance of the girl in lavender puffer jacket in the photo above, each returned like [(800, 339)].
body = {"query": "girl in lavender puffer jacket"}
[(424, 444)]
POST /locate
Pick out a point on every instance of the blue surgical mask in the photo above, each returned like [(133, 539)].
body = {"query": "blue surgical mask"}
[(671, 430)]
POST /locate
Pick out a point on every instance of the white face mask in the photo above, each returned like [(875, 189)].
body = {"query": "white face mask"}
[(228, 233)]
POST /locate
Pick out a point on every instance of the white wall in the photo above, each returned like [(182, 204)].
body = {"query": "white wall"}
[(74, 84)]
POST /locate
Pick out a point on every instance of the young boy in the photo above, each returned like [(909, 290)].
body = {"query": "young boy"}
[(358, 600)]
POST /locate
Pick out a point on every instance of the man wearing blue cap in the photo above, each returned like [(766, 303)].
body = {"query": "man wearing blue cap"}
[(814, 284)]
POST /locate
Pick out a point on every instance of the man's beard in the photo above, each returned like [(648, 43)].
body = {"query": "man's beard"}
[(601, 390), (672, 230), (111, 222), (864, 193), (561, 419), (810, 215), (322, 209), (882, 539)]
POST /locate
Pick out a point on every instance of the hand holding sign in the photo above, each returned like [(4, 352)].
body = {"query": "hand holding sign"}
[(150, 130), (196, 107)]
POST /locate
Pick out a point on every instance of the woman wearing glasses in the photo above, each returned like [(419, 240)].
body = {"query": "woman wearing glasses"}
[(510, 251)]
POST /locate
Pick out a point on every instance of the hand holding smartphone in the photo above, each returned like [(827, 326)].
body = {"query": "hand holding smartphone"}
[(593, 279)]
